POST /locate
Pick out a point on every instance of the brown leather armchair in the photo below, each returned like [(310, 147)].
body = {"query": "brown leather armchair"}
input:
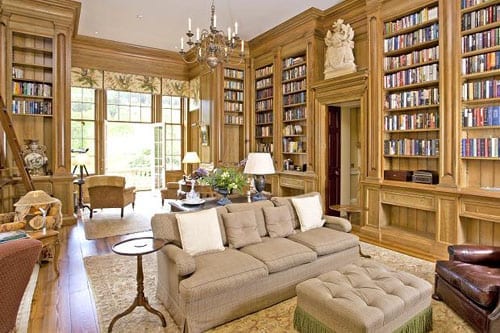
[(17, 259), (469, 283), (109, 192)]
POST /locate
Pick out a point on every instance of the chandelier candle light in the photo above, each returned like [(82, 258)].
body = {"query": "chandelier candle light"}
[(212, 46)]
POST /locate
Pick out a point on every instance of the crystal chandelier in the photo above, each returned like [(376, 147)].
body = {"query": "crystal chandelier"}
[(212, 46)]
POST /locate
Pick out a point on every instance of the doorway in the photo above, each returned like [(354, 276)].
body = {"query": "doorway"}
[(344, 153)]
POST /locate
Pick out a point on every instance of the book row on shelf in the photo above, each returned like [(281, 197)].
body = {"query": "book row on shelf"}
[(480, 17), (480, 147), (264, 71), (481, 63), (412, 147), (294, 86), (31, 107), (233, 106), (229, 84), (294, 73), (264, 105), (264, 93), (265, 147), (263, 83), (294, 98), (403, 122), (481, 40), (419, 36), (17, 73), (481, 116), (233, 73), (289, 130), (424, 15), (233, 95), (412, 98), (233, 120), (469, 3), (413, 58), (295, 113), (32, 89), (264, 118), (481, 89), (291, 146), (264, 131), (292, 61), (412, 76)]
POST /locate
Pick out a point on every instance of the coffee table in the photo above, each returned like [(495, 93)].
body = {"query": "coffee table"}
[(179, 206), (138, 247)]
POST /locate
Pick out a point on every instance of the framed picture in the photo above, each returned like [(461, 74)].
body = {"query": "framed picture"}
[(204, 135)]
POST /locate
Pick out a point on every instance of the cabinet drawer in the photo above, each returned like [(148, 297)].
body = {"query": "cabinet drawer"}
[(292, 183), (410, 200), (482, 210)]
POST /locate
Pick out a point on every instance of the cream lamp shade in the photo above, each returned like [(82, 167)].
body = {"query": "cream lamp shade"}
[(35, 198), (259, 164), (191, 157)]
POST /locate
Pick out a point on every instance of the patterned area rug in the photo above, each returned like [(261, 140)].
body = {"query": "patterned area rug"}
[(112, 276), (107, 223)]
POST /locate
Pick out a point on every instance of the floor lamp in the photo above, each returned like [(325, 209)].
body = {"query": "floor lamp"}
[(259, 164)]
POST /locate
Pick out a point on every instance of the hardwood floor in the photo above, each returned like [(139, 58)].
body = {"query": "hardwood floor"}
[(65, 304)]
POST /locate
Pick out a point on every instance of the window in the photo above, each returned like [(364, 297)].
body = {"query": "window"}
[(172, 118), (128, 107), (83, 126)]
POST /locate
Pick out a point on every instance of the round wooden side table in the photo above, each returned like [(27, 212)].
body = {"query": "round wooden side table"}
[(138, 247)]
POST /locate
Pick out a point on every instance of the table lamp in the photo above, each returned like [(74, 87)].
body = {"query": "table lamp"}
[(191, 157), (259, 164), (36, 198)]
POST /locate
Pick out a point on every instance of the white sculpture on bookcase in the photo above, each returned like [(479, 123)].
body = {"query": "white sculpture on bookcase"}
[(339, 58)]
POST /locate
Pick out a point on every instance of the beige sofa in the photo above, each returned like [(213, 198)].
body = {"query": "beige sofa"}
[(209, 289)]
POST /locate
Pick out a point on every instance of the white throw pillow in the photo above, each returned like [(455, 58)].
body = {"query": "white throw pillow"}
[(309, 211), (200, 231)]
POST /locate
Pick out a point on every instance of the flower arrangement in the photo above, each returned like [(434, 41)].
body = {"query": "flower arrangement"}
[(229, 179)]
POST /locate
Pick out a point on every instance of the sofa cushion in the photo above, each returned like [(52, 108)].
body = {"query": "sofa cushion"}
[(241, 229), (257, 209), (279, 254), (200, 232), (309, 211), (287, 202), (474, 281), (325, 240), (278, 221), (218, 271)]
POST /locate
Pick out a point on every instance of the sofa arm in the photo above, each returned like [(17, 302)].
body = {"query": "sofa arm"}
[(475, 254), (337, 223), (184, 262)]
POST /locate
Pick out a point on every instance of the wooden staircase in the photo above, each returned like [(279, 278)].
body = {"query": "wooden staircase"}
[(15, 146)]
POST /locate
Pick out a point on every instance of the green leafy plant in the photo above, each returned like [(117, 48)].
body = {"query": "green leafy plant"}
[(229, 179)]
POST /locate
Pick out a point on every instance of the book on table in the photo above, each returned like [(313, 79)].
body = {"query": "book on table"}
[(12, 235)]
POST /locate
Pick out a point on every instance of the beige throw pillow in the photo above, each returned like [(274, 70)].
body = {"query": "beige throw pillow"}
[(278, 221), (200, 231), (309, 211), (241, 229)]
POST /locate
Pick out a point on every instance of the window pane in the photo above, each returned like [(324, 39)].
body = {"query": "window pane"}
[(83, 126), (129, 107), (176, 116)]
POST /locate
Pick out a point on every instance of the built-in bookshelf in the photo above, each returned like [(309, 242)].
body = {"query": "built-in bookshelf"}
[(233, 96), (32, 73), (294, 129), (411, 90), (480, 114), (264, 111)]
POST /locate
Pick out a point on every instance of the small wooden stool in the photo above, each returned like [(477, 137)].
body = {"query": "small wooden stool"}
[(49, 238)]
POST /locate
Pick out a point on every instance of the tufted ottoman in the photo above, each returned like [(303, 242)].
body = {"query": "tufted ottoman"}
[(364, 297)]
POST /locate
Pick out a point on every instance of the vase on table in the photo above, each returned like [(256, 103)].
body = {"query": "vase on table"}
[(224, 193)]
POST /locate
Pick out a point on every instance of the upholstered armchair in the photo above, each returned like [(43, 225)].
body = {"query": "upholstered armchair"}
[(109, 192), (17, 259), (469, 283), (170, 191)]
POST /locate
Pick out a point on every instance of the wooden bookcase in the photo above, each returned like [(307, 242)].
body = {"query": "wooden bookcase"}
[(264, 109), (233, 115), (480, 113), (411, 90), (294, 115)]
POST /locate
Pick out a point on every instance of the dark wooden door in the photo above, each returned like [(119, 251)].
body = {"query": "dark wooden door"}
[(333, 185)]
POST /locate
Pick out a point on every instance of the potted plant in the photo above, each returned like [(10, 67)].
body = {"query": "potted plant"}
[(226, 181)]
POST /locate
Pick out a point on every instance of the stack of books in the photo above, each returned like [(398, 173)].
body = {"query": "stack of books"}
[(12, 235)]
